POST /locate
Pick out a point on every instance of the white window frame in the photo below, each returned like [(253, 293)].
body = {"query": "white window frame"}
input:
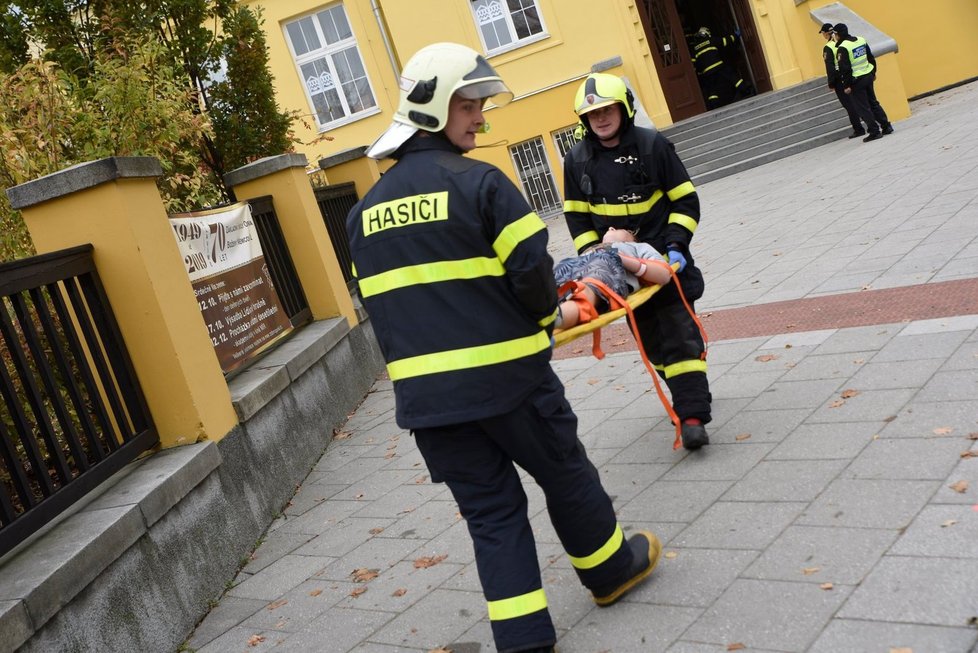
[(507, 15), (325, 54)]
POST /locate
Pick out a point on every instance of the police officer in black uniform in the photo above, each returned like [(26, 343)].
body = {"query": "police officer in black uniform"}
[(831, 59), (857, 72), (453, 269), (629, 177)]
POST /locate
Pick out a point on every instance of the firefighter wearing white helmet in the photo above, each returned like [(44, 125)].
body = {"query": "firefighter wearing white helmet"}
[(427, 84), (626, 177), (453, 269)]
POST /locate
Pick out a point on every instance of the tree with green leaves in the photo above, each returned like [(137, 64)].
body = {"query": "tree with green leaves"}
[(211, 54)]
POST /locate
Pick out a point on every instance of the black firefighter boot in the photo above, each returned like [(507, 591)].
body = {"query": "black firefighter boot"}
[(646, 548), (694, 434)]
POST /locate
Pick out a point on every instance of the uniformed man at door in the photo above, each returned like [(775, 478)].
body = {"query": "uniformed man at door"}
[(453, 268), (719, 80)]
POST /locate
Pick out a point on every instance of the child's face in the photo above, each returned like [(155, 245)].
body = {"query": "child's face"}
[(618, 236)]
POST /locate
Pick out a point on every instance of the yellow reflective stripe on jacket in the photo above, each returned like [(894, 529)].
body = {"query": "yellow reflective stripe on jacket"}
[(468, 357), (469, 268), (684, 220), (682, 367), (680, 191), (576, 206), (709, 68), (585, 239), (518, 606), (626, 209), (606, 551), (515, 233), (545, 322)]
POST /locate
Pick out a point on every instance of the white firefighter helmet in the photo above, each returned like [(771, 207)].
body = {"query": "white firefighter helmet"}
[(429, 80)]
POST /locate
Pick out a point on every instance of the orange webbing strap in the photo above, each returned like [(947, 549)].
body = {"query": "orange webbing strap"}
[(692, 314), (616, 301)]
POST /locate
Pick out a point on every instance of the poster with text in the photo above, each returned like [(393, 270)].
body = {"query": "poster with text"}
[(230, 277)]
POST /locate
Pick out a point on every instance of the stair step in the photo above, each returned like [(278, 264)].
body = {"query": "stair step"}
[(758, 130)]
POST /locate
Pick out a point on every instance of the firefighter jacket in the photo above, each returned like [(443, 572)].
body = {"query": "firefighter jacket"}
[(453, 269), (706, 52), (830, 56), (639, 185), (855, 60)]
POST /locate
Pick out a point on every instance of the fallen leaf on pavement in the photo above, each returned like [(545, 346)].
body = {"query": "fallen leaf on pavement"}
[(973, 436), (736, 646), (849, 393), (315, 593), (943, 430), (420, 480), (276, 604), (969, 454), (902, 649), (255, 640), (341, 435), (376, 531), (949, 522), (389, 455), (428, 561), (837, 403), (960, 486), (358, 591), (826, 586), (764, 358), (399, 592), (671, 554), (741, 437), (440, 650), (363, 575), (808, 571), (592, 381)]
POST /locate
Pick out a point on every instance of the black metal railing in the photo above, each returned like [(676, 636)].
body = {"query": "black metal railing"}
[(335, 203), (72, 413), (279, 261)]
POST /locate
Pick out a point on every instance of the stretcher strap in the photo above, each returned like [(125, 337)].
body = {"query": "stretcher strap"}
[(616, 301)]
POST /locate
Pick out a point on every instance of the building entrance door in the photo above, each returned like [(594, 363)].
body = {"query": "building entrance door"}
[(670, 54), (667, 22)]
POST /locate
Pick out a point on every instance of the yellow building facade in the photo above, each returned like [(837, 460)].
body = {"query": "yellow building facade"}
[(338, 62)]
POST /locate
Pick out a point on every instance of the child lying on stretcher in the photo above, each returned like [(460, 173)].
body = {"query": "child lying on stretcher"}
[(620, 264)]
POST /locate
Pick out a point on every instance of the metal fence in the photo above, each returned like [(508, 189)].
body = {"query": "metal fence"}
[(279, 261), (72, 412), (335, 203)]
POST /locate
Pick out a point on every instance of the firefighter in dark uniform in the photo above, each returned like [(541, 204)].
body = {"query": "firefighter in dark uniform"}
[(831, 59), (630, 177), (857, 72), (721, 84), (453, 269)]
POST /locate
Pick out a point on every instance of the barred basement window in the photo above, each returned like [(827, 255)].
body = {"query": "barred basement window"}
[(536, 177), (329, 62), (564, 140)]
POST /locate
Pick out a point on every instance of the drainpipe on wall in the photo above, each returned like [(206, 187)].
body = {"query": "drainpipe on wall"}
[(382, 26)]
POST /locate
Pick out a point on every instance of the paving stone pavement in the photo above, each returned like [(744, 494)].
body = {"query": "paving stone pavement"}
[(835, 510)]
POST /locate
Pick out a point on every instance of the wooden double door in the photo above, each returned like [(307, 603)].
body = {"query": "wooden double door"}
[(667, 24)]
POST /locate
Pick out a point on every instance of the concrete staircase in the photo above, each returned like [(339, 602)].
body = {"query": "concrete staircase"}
[(759, 130)]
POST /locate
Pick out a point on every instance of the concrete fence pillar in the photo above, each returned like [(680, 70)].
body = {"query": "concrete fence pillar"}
[(284, 178), (114, 204), (354, 165)]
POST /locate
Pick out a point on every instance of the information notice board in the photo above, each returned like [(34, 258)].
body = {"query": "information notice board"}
[(230, 278)]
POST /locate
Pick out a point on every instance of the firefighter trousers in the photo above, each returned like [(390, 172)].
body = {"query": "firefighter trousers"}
[(476, 459), (675, 345)]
